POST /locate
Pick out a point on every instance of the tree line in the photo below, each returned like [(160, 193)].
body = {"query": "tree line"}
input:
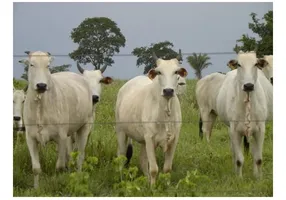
[(99, 38)]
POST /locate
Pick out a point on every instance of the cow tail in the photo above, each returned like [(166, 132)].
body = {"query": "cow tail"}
[(245, 144), (201, 128), (129, 151)]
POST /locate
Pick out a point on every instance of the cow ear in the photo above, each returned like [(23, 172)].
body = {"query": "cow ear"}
[(182, 72), (261, 63), (152, 74), (232, 64), (106, 80)]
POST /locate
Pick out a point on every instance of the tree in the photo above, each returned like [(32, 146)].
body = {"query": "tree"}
[(54, 69), (198, 63), (162, 50), (26, 66), (264, 45), (98, 38)]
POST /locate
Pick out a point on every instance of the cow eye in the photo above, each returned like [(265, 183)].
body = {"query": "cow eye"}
[(13, 101), (158, 73), (176, 72), (23, 101), (238, 65), (31, 65), (181, 83)]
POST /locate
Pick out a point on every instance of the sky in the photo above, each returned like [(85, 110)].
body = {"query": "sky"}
[(192, 27)]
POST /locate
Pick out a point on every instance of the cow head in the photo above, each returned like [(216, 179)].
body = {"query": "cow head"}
[(247, 66), (266, 65), (167, 72), (95, 79), (38, 72), (18, 102)]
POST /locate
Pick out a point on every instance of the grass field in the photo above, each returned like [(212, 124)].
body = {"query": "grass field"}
[(199, 169)]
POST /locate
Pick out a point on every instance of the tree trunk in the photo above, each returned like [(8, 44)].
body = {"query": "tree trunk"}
[(199, 74)]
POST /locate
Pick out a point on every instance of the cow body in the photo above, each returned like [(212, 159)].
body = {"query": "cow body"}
[(207, 90)]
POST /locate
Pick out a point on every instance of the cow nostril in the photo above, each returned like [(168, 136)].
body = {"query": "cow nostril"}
[(41, 86), (95, 99), (16, 118), (168, 92), (271, 80), (248, 87)]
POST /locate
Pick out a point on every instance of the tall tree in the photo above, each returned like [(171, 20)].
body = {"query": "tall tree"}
[(199, 62), (163, 50), (54, 69), (263, 45), (99, 39)]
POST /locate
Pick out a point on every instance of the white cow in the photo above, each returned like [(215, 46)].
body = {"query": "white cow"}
[(182, 86), (206, 93), (244, 103), (149, 112), (56, 106), (18, 102)]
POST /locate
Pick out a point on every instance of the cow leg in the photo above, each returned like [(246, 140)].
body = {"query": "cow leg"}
[(153, 167), (144, 160), (62, 150), (69, 149), (122, 143), (169, 156), (82, 137), (208, 119), (257, 147), (238, 158), (34, 153)]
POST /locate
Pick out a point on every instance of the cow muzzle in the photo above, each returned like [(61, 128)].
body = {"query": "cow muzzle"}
[(248, 87), (168, 92), (95, 99), (16, 118), (41, 87)]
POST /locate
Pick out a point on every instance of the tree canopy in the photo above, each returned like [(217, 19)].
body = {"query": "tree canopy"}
[(199, 62), (163, 50), (99, 39), (263, 45)]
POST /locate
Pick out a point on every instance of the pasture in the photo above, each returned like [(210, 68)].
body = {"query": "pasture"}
[(199, 169)]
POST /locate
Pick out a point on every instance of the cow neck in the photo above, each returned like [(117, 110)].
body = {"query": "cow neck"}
[(246, 100), (37, 99), (164, 104)]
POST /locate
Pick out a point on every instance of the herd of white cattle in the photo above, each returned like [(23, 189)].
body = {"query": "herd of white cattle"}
[(61, 107)]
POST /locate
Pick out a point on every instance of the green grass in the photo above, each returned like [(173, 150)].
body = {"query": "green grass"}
[(210, 165)]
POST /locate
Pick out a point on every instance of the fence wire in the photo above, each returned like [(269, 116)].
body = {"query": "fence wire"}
[(130, 54), (140, 122)]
